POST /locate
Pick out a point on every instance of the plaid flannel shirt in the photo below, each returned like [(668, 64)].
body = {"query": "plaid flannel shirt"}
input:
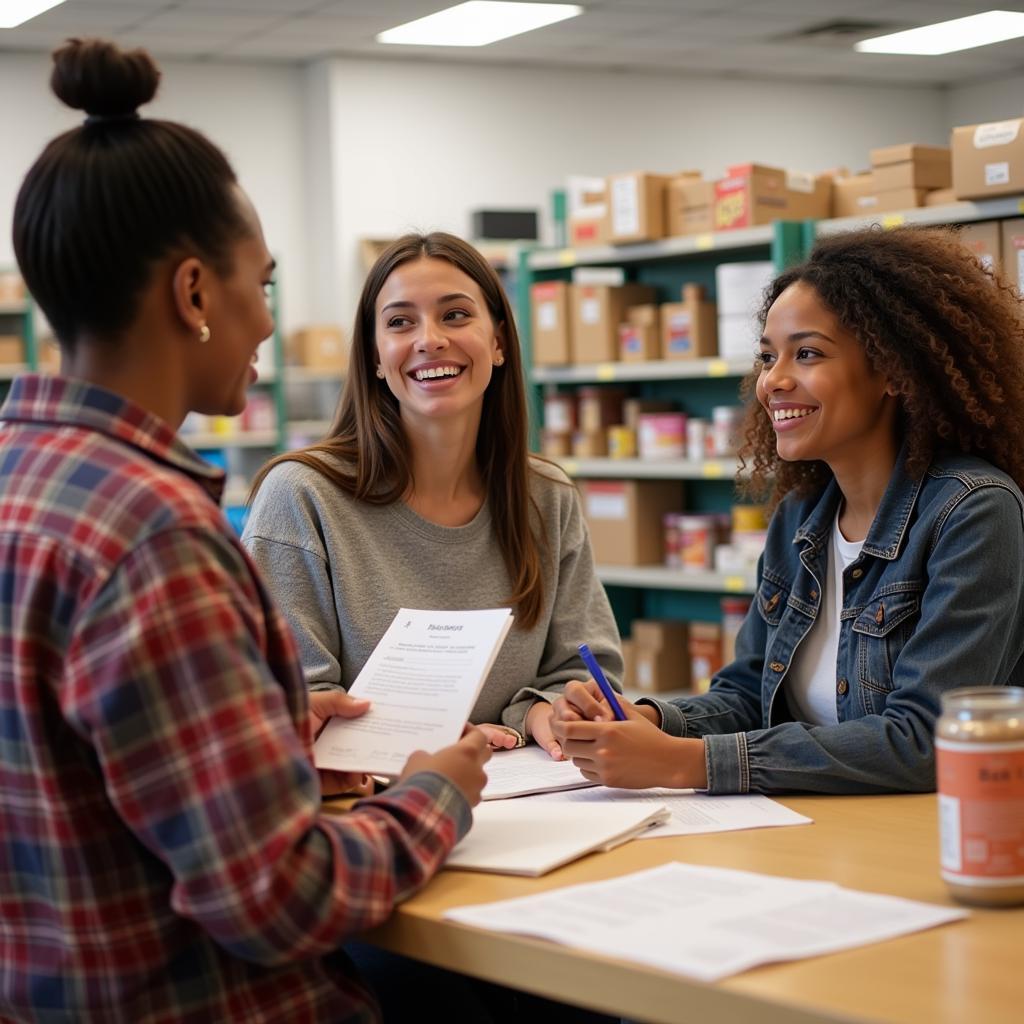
[(163, 857)]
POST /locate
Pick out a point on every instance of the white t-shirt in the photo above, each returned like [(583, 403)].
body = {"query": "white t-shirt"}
[(811, 683)]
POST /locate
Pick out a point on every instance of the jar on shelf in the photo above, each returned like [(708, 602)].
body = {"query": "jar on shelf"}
[(559, 412), (670, 522), (979, 752), (621, 442), (726, 421), (698, 535), (734, 611), (698, 431)]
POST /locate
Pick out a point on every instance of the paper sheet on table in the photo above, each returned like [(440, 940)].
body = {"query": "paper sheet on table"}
[(422, 680), (523, 837), (529, 770), (706, 923), (693, 813)]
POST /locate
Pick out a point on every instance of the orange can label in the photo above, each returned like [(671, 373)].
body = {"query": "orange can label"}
[(981, 811)]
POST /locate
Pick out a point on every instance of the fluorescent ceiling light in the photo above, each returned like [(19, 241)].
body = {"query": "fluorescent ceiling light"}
[(17, 12), (477, 23), (949, 36)]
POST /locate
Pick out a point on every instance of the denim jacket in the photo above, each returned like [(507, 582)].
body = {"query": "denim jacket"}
[(935, 601)]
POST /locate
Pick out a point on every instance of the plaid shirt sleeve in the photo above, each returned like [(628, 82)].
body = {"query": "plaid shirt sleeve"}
[(204, 762)]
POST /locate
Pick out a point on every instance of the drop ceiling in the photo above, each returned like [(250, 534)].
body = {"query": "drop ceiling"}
[(809, 40)]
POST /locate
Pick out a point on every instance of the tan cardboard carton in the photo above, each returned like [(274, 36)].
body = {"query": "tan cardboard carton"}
[(689, 206), (985, 240), (12, 288), (586, 231), (12, 349), (689, 329), (597, 311), (895, 199), (319, 347), (941, 197), (753, 194), (552, 337), (590, 444), (988, 159), (1013, 252), (628, 664), (639, 343), (854, 196), (588, 223), (624, 518), (636, 201), (661, 652), (911, 166)]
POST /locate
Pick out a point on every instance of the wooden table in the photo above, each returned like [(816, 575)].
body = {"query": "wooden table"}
[(969, 972)]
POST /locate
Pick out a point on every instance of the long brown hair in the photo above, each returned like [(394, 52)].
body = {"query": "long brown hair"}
[(367, 433), (944, 331)]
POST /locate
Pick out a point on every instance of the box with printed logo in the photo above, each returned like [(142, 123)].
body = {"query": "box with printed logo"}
[(597, 311), (752, 194), (689, 329)]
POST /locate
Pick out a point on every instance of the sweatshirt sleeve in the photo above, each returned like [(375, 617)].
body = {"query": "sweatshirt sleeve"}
[(580, 613), (283, 539)]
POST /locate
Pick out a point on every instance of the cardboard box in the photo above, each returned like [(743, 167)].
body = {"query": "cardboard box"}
[(689, 329), (941, 197), (636, 201), (48, 356), (689, 206), (597, 311), (911, 166), (854, 196), (12, 349), (988, 159), (639, 343), (895, 199), (590, 444), (1013, 252), (552, 330), (588, 231), (319, 347), (662, 656), (753, 194), (12, 288), (634, 408), (985, 241), (628, 665), (624, 518), (587, 223)]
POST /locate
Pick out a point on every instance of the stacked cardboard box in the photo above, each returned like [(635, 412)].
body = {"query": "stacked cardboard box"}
[(319, 347), (903, 175), (985, 240), (661, 655), (753, 194), (689, 329), (552, 323), (597, 311), (988, 159), (690, 205), (636, 202), (639, 338), (587, 210), (1013, 252), (624, 518)]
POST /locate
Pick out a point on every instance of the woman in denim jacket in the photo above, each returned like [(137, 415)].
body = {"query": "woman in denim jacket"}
[(888, 391)]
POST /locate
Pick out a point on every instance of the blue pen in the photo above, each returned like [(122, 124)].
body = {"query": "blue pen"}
[(603, 685)]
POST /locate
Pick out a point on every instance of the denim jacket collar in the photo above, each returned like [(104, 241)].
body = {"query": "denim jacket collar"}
[(889, 525)]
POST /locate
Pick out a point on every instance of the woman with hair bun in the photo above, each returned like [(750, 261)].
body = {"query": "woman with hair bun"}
[(163, 855), (886, 403)]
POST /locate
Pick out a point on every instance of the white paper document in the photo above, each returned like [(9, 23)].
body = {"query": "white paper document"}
[(422, 680), (524, 837), (707, 923), (529, 770), (692, 813)]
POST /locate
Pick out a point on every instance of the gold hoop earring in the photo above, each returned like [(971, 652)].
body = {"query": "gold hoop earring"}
[(204, 334), (380, 373)]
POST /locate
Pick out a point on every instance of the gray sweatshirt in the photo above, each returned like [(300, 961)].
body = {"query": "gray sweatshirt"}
[(340, 569)]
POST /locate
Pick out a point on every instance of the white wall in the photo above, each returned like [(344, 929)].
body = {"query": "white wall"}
[(253, 112), (419, 145), (995, 100)]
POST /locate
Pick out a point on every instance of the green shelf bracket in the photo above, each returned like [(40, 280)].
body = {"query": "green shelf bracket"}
[(788, 245), (534, 403)]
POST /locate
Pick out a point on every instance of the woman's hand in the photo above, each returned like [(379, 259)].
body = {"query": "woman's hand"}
[(538, 725), (324, 705), (500, 737)]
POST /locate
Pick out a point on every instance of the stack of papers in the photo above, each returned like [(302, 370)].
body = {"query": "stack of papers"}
[(522, 837), (529, 770), (706, 923)]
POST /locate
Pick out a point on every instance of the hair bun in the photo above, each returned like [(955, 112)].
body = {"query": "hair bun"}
[(100, 78)]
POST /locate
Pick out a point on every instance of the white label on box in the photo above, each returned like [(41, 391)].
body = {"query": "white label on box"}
[(800, 181), (590, 311), (1020, 270), (547, 316), (602, 505), (996, 133), (644, 675), (997, 174), (625, 206), (865, 201)]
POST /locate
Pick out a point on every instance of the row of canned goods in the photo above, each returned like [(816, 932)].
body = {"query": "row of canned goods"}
[(728, 542)]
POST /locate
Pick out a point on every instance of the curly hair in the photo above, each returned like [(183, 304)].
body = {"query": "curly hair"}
[(946, 333)]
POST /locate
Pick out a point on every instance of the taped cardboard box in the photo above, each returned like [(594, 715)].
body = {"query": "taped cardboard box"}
[(894, 199), (639, 335), (985, 241), (988, 159), (854, 196), (552, 323), (662, 655), (912, 166), (597, 311), (12, 288), (318, 347), (624, 518), (636, 201), (1013, 252), (689, 206), (689, 329), (941, 197), (752, 194)]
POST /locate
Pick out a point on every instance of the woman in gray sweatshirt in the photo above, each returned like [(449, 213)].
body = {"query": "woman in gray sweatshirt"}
[(424, 495)]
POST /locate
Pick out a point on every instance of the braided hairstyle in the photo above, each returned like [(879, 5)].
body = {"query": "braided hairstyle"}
[(946, 333)]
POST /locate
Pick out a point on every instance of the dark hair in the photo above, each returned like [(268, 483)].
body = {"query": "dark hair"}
[(944, 331), (367, 433), (106, 200)]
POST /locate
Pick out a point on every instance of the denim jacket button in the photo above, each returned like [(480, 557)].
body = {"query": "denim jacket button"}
[(842, 687), (857, 573), (777, 666)]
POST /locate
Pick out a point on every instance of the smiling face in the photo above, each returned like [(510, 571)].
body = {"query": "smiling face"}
[(824, 398), (437, 344)]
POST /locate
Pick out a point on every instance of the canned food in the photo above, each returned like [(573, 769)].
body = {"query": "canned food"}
[(698, 535), (662, 435), (621, 442), (697, 432), (979, 751), (726, 421)]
